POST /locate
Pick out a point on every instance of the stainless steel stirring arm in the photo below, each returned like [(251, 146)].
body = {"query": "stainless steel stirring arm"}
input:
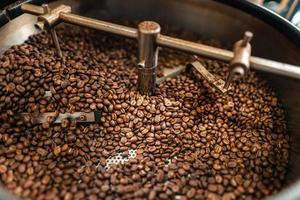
[(149, 37)]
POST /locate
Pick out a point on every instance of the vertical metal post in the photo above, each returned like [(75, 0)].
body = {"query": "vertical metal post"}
[(56, 42), (47, 10), (148, 55)]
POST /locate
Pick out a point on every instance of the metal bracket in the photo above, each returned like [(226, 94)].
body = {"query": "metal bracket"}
[(217, 83), (80, 117), (240, 63), (196, 66)]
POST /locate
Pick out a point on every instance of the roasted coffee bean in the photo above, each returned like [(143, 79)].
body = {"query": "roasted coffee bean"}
[(3, 169), (20, 88), (187, 141), (57, 150), (10, 87), (42, 152), (21, 168), (152, 195)]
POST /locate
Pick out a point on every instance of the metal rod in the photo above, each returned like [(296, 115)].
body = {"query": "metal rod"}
[(240, 63), (32, 9), (274, 67), (194, 48), (257, 63), (148, 56), (53, 34), (55, 41), (247, 38), (175, 43), (99, 25)]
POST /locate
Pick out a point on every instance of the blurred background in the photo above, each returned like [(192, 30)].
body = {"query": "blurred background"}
[(289, 9)]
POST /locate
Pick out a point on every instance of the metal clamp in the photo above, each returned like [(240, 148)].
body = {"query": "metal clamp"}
[(240, 63), (50, 17)]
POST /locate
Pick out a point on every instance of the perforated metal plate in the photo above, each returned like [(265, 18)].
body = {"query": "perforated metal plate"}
[(120, 157)]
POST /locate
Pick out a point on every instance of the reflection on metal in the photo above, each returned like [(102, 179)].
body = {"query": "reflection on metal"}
[(215, 82), (148, 55), (240, 62), (16, 31), (47, 21), (99, 25), (32, 9), (51, 17)]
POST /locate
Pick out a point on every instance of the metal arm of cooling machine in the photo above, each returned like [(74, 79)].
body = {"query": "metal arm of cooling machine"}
[(63, 13)]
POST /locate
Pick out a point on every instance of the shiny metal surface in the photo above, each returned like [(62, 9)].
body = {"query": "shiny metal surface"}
[(99, 25), (225, 55), (53, 16), (207, 18), (148, 56), (240, 63), (17, 31), (56, 42), (242, 53), (80, 117), (32, 9), (217, 83), (170, 42), (52, 31)]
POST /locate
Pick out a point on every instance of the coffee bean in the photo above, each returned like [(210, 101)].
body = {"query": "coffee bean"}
[(10, 87), (181, 172), (3, 169), (152, 195), (191, 193), (42, 152), (232, 164), (217, 166), (45, 179), (56, 150), (186, 166), (186, 141), (151, 148), (229, 196), (175, 188), (20, 88), (22, 168), (64, 123), (104, 188), (160, 176), (212, 188), (129, 135)]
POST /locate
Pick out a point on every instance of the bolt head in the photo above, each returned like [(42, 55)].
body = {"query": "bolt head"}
[(149, 27)]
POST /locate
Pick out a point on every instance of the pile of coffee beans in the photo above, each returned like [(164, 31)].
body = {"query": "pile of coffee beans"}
[(191, 142)]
